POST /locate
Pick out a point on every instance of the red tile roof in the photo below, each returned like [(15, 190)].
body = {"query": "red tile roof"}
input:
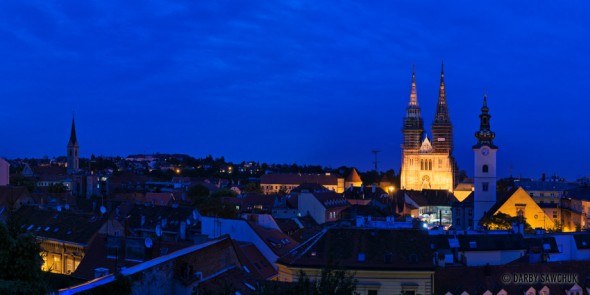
[(255, 262), (277, 241), (295, 179)]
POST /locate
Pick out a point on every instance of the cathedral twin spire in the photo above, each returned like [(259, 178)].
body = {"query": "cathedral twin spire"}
[(413, 130)]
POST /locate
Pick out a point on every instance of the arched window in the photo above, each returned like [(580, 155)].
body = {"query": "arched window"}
[(484, 169)]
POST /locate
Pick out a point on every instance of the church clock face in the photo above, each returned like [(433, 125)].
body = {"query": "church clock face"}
[(485, 151)]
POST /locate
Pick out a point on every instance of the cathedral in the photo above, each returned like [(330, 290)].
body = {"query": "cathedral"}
[(427, 163)]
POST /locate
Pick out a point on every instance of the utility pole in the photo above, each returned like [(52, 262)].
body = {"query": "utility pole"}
[(375, 152)]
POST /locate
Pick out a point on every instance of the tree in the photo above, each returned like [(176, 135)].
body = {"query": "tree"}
[(198, 193), (331, 281), (503, 221), (20, 262), (211, 204)]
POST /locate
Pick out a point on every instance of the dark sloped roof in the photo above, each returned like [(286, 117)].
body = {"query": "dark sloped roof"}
[(277, 241), (431, 197), (10, 194), (230, 279), (66, 225), (153, 215), (354, 248), (546, 185), (310, 187), (579, 193), (364, 192), (255, 262), (489, 242), (331, 199)]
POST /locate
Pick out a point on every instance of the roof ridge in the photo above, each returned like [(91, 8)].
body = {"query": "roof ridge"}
[(309, 243)]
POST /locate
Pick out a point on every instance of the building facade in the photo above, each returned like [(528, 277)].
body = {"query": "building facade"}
[(275, 183), (427, 164)]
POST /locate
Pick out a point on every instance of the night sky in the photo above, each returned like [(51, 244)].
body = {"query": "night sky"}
[(316, 82)]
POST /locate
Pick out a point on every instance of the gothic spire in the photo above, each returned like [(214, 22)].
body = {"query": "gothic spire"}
[(73, 138), (442, 110), (413, 93), (485, 135), (413, 125)]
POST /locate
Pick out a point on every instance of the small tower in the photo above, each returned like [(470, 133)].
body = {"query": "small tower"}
[(442, 130), (484, 167), (353, 179), (72, 155)]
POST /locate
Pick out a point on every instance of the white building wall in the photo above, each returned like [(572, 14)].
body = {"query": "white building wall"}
[(567, 248), (309, 204), (483, 200), (237, 229)]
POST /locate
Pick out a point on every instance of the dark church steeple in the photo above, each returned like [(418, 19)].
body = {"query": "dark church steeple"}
[(485, 135), (72, 150), (442, 130), (413, 128)]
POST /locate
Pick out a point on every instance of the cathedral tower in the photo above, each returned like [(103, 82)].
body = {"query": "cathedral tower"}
[(413, 129), (484, 167), (72, 155), (426, 164), (442, 131)]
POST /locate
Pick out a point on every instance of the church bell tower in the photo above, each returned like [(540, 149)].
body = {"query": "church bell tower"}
[(484, 167), (72, 150)]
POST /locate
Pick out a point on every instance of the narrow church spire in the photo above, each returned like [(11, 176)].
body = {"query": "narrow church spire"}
[(413, 125), (73, 138), (442, 96), (72, 150), (442, 130), (442, 111), (485, 135), (413, 92)]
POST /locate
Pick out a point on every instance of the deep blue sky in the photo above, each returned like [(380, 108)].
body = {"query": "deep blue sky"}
[(316, 82)]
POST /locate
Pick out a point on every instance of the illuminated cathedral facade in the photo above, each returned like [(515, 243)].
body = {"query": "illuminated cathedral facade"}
[(427, 163)]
